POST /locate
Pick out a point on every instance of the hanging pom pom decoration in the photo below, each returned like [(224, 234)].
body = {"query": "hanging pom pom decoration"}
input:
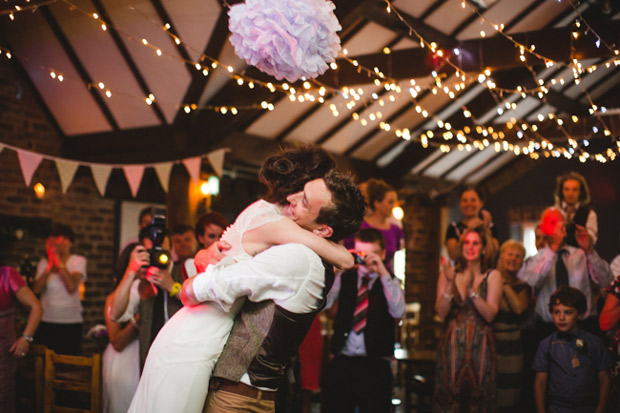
[(287, 39)]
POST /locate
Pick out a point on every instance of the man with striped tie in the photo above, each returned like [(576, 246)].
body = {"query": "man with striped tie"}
[(366, 301)]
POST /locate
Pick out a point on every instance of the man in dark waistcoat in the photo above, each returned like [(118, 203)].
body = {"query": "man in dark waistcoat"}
[(286, 286), (366, 302), (572, 198)]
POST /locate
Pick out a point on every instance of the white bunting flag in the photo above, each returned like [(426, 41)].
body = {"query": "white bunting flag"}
[(101, 174), (193, 167), (163, 173), (29, 162), (134, 173), (216, 159), (66, 171)]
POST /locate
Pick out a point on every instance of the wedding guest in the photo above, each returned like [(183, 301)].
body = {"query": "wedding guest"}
[(58, 280), (572, 198), (13, 288), (571, 364), (468, 300), (610, 322), (121, 358), (381, 198), (209, 228), (512, 310), (474, 217)]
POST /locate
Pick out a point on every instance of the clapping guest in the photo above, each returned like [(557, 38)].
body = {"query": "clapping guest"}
[(467, 300), (572, 198), (13, 288), (474, 217), (121, 358), (610, 321), (512, 310), (58, 281)]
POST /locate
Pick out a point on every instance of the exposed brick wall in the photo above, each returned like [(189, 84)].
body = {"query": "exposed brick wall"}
[(24, 124), (421, 225)]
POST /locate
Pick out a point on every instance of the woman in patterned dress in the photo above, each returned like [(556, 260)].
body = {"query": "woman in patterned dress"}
[(468, 300), (512, 310)]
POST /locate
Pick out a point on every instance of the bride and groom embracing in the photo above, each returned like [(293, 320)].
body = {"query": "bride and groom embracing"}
[(252, 303)]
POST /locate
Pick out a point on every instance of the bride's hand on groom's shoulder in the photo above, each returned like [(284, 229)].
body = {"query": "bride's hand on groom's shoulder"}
[(210, 256)]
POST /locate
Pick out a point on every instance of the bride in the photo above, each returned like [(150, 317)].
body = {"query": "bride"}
[(180, 361)]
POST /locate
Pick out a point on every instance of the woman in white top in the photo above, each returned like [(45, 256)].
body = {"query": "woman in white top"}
[(58, 282), (178, 368)]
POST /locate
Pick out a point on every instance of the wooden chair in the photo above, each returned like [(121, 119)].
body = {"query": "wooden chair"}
[(31, 380), (72, 374)]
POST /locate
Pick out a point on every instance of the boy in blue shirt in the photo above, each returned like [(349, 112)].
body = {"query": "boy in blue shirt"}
[(571, 364)]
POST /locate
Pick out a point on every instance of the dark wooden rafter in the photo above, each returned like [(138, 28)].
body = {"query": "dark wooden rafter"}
[(431, 9), (476, 55), (131, 64), (392, 22), (199, 82), (344, 122), (164, 17), (79, 67)]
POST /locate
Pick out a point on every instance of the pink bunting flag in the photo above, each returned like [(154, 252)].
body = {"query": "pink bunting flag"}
[(29, 163), (134, 173), (193, 167)]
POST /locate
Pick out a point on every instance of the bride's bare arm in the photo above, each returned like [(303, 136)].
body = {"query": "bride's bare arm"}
[(285, 231)]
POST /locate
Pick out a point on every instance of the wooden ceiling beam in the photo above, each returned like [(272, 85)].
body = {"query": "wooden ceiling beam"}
[(476, 55), (131, 64), (79, 67)]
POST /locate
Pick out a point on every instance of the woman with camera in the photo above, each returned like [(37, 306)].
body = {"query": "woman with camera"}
[(467, 300)]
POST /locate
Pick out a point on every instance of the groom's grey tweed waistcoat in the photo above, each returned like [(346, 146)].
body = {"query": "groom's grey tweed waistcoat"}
[(263, 340)]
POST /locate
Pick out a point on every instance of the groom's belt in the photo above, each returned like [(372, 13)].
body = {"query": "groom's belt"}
[(241, 389)]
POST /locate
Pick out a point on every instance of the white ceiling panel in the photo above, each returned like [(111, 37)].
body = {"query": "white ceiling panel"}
[(371, 39), (540, 17), (443, 165), (103, 62), (491, 168), (448, 17), (353, 131), (187, 15), (473, 164), (36, 47), (285, 113), (413, 8), (501, 13), (166, 75)]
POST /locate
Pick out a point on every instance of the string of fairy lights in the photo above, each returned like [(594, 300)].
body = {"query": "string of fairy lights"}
[(361, 105)]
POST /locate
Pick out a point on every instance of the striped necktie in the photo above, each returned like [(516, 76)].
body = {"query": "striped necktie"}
[(361, 309)]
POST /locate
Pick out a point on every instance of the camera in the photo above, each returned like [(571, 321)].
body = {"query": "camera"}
[(358, 257), (159, 257)]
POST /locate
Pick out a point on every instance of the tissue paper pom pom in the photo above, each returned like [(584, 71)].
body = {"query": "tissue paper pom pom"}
[(285, 38)]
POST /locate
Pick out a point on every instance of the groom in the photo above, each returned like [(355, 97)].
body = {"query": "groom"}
[(286, 286)]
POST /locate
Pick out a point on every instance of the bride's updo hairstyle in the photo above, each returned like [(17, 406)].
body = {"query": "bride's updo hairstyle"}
[(287, 172)]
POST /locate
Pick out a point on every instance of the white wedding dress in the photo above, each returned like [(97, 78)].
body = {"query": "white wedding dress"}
[(180, 361)]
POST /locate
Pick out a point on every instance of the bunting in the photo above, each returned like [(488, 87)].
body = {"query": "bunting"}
[(134, 173), (163, 173), (66, 171), (101, 174), (193, 167), (29, 161), (216, 159)]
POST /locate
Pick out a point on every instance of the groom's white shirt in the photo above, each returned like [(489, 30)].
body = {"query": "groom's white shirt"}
[(291, 275)]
